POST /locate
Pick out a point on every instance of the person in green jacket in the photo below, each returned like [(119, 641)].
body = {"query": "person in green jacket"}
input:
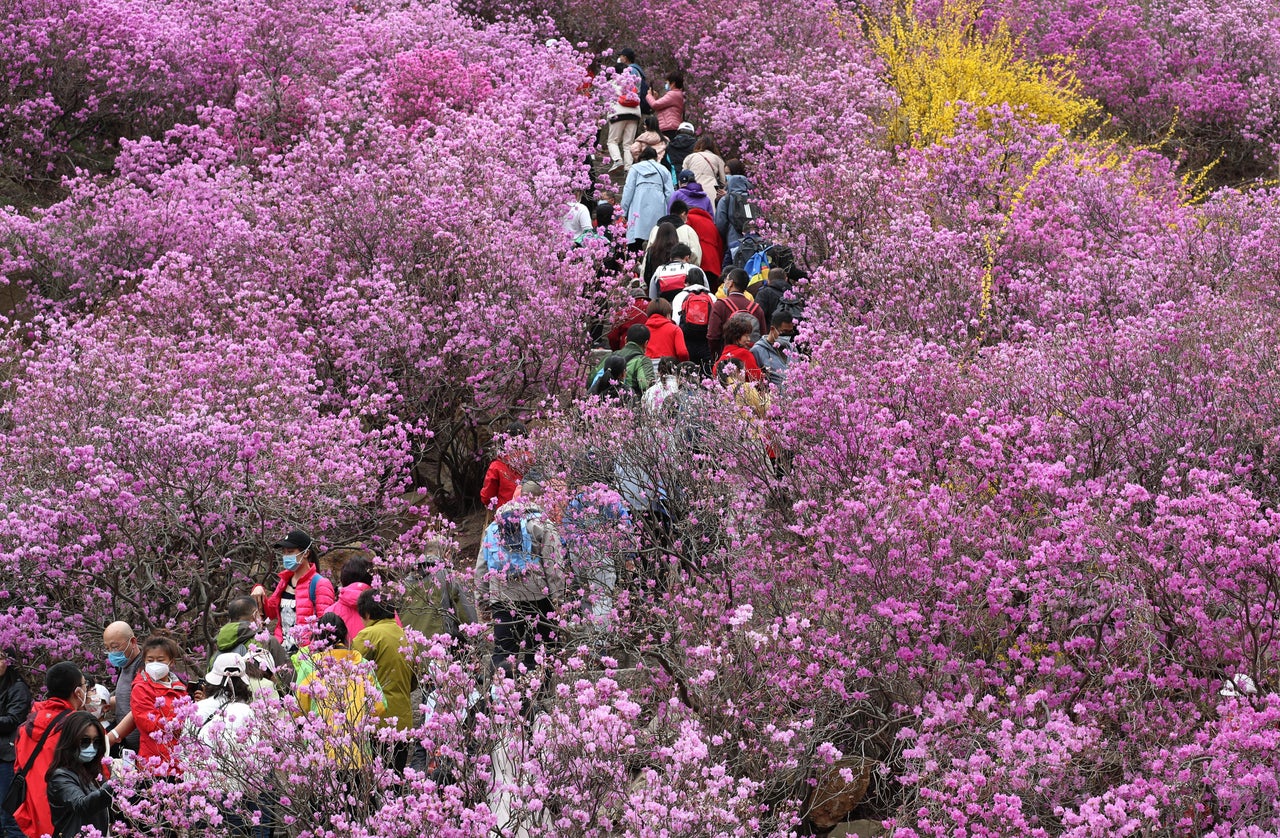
[(380, 641)]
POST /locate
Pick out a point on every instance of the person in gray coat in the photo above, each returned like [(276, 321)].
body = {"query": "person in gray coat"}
[(770, 351), (738, 189), (644, 198)]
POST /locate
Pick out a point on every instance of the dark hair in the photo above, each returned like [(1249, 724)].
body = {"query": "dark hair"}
[(706, 143), (680, 251), (241, 608), (659, 252), (67, 753), (649, 153), (604, 214), (11, 674), (660, 306), (514, 428), (679, 207), (639, 333), (371, 608), (777, 275), (627, 53), (356, 569), (615, 366), (651, 124), (332, 631), (235, 688), (735, 167), (737, 278), (63, 679), (676, 78), (741, 323), (781, 318), (166, 644), (667, 366)]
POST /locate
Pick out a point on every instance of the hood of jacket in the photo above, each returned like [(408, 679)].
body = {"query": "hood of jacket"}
[(657, 323), (349, 594), (683, 142), (737, 183), (699, 212), (695, 189), (235, 634), (649, 172)]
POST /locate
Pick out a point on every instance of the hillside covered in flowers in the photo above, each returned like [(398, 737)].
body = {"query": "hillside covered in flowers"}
[(1002, 558)]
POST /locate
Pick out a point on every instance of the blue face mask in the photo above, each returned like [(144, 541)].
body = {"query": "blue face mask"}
[(89, 754), (117, 659), (290, 562)]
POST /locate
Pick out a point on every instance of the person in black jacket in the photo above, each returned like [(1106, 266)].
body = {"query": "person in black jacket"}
[(15, 706), (77, 795)]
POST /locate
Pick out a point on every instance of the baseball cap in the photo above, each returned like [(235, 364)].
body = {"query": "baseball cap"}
[(297, 539), (227, 665)]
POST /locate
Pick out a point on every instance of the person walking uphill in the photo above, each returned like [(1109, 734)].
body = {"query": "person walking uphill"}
[(15, 706), (520, 573), (38, 740), (301, 594), (669, 108), (644, 198), (502, 476)]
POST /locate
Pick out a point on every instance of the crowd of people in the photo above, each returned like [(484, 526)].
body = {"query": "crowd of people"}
[(707, 292), (708, 300)]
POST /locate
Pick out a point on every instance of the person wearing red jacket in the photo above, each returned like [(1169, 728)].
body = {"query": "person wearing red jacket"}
[(296, 599), (737, 347), (735, 281), (153, 703), (503, 478), (632, 315), (704, 225), (67, 689), (665, 338)]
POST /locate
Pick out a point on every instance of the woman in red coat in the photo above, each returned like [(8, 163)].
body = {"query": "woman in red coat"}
[(665, 338), (737, 347), (503, 478), (157, 692)]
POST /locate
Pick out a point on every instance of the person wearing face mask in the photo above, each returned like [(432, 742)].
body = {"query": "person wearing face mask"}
[(126, 659), (79, 796), (156, 693), (38, 740), (770, 351), (301, 595), (15, 706)]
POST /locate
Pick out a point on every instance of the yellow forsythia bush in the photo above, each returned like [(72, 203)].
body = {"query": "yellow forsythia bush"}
[(935, 65)]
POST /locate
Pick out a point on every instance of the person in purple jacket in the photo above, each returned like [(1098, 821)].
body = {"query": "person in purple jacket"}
[(691, 193)]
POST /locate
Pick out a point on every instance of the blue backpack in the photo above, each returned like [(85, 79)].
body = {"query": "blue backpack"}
[(503, 555)]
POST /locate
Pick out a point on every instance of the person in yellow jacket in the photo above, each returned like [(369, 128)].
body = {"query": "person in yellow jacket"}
[(381, 641), (341, 703)]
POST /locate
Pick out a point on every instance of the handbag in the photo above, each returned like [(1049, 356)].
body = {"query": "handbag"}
[(17, 793)]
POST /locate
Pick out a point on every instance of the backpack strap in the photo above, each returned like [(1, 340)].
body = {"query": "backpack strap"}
[(31, 760)]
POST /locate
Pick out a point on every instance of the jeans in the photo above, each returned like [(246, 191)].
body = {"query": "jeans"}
[(8, 826)]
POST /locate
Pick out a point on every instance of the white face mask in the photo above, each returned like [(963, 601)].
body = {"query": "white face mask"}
[(158, 671)]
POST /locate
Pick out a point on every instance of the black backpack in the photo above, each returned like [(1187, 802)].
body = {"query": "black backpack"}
[(742, 212), (644, 90)]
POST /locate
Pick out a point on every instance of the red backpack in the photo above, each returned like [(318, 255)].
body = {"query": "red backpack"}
[(697, 309), (673, 276)]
